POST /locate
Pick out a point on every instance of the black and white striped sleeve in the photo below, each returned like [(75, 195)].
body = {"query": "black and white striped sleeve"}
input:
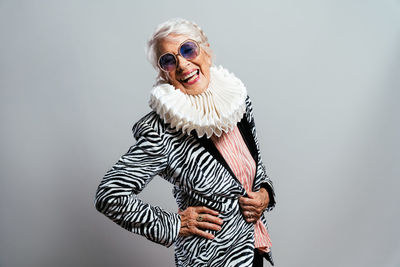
[(269, 186), (116, 196)]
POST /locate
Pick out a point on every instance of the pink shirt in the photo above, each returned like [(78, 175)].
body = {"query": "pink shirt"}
[(236, 154)]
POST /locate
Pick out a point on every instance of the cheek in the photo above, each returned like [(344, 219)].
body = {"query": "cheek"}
[(174, 81), (205, 66), (206, 72), (172, 78)]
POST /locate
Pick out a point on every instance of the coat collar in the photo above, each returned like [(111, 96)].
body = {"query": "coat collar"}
[(246, 132)]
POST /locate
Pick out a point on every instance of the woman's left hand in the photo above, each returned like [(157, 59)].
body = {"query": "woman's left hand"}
[(254, 205)]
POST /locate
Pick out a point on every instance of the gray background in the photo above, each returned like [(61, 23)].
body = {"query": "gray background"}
[(324, 79)]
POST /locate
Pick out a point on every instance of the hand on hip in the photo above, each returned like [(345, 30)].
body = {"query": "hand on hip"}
[(194, 220)]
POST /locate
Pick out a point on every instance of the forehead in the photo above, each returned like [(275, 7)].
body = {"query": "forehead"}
[(171, 43)]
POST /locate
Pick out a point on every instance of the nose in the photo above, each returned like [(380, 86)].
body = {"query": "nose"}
[(182, 62)]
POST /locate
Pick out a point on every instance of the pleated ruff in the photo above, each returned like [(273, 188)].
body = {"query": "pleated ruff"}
[(215, 111)]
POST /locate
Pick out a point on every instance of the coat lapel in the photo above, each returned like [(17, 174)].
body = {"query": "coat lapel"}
[(247, 135), (208, 144), (245, 130)]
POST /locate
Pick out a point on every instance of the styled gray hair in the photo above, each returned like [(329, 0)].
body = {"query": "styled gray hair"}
[(174, 26)]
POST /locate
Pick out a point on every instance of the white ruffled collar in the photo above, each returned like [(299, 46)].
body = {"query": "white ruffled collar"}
[(218, 109)]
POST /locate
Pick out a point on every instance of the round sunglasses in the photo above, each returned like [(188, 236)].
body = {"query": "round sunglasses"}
[(189, 49)]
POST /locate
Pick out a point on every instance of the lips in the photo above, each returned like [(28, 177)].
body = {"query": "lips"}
[(191, 77)]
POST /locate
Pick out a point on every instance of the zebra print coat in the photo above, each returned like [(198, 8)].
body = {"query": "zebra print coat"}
[(200, 177)]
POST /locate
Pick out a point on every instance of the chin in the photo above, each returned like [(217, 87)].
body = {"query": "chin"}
[(194, 89)]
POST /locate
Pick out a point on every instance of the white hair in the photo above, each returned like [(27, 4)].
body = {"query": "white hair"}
[(174, 26)]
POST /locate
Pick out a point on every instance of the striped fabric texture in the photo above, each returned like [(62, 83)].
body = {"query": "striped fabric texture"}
[(199, 178), (235, 152)]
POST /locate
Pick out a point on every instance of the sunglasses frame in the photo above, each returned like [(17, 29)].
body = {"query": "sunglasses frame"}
[(179, 54)]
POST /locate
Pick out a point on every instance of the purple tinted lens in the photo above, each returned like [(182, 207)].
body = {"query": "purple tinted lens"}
[(189, 50), (168, 62)]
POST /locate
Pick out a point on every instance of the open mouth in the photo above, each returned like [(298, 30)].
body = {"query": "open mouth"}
[(192, 77)]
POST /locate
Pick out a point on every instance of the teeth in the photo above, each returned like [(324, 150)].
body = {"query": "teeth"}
[(190, 75)]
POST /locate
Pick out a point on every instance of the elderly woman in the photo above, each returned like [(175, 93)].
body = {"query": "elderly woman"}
[(200, 136)]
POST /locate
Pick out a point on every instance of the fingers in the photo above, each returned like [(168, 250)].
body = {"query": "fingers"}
[(249, 208), (252, 207), (251, 214), (196, 219), (258, 209), (258, 199), (250, 201), (212, 219), (189, 228), (251, 217), (207, 225), (203, 234), (206, 210)]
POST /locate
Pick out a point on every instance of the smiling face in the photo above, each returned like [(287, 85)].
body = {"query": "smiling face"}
[(192, 77)]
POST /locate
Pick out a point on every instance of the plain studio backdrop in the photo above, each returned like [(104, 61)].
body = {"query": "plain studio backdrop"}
[(324, 80)]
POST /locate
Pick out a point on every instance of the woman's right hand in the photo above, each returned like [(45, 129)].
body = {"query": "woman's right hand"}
[(196, 219)]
